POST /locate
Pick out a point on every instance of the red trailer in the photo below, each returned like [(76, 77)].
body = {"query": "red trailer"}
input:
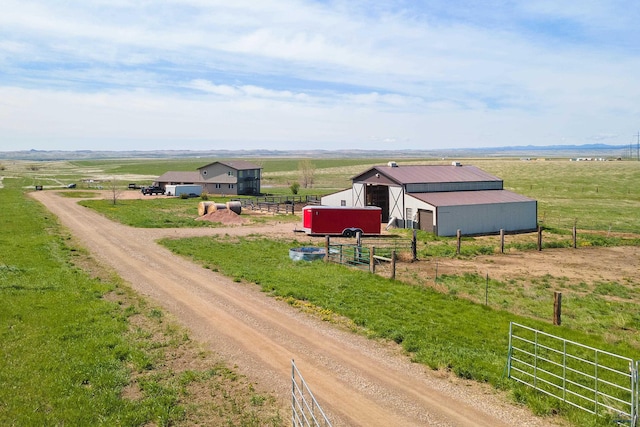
[(341, 220)]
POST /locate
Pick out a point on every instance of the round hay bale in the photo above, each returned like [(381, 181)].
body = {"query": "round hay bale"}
[(204, 207), (235, 206), (217, 207)]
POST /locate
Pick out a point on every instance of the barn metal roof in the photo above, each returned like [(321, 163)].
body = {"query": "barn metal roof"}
[(464, 198), (418, 174)]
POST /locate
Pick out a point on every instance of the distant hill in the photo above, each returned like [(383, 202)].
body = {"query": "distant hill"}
[(557, 151)]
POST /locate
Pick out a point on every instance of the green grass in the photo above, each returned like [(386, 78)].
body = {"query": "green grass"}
[(165, 212), (68, 353), (596, 195), (51, 314), (607, 310), (152, 213), (439, 330)]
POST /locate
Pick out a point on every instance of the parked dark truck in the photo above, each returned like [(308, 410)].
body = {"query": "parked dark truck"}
[(341, 220), (152, 190)]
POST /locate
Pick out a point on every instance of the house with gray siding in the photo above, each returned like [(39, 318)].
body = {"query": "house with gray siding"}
[(440, 198), (237, 177)]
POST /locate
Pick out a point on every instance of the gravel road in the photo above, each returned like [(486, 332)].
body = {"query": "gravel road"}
[(358, 382)]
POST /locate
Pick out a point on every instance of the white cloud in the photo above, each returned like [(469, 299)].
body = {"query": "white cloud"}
[(337, 71)]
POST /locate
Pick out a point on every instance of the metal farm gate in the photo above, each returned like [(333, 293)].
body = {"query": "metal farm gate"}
[(596, 381), (305, 410)]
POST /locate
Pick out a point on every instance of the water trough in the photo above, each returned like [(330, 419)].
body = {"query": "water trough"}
[(308, 253)]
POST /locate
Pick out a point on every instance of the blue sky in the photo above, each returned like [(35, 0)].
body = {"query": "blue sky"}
[(298, 74)]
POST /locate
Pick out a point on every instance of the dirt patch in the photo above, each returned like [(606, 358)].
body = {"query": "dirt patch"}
[(223, 216), (582, 265)]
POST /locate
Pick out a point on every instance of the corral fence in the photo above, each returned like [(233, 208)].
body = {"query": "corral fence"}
[(539, 239), (305, 410), (279, 204), (371, 253), (597, 381)]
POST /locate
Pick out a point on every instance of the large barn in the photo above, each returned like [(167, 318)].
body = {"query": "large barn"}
[(440, 198)]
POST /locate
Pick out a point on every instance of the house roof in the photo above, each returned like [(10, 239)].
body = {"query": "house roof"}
[(235, 164), (179, 176), (419, 174), (464, 198)]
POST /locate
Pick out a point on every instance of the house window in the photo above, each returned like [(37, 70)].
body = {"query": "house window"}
[(230, 173), (218, 185), (230, 185)]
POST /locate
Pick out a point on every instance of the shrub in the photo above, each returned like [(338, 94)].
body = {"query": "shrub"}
[(294, 187)]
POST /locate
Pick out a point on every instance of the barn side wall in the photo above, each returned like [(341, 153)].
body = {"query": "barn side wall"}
[(486, 219), (415, 205), (433, 187), (336, 199)]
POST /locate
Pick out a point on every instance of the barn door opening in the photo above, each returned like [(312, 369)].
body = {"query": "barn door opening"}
[(425, 220), (378, 195)]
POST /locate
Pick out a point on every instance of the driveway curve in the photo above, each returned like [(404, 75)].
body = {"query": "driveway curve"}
[(358, 382)]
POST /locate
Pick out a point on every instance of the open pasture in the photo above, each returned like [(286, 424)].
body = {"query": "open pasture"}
[(603, 196), (599, 197)]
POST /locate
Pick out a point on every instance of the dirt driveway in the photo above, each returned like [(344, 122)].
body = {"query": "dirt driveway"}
[(357, 381)]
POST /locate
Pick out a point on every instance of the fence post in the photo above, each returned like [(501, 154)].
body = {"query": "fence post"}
[(486, 291), (539, 238), (459, 238), (502, 240), (326, 248), (557, 307), (393, 265), (414, 246), (372, 261), (575, 236)]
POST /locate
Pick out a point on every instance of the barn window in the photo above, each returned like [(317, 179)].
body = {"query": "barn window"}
[(343, 203)]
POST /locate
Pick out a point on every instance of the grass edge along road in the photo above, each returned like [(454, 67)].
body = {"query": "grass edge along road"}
[(438, 330), (80, 348)]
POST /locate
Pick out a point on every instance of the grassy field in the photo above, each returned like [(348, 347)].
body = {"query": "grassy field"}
[(467, 337), (152, 213), (440, 330), (593, 195), (79, 348), (165, 212)]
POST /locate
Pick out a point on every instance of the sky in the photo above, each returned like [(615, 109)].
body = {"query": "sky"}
[(317, 74)]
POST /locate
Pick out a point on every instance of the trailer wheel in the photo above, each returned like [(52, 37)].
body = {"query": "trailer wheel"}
[(351, 232)]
